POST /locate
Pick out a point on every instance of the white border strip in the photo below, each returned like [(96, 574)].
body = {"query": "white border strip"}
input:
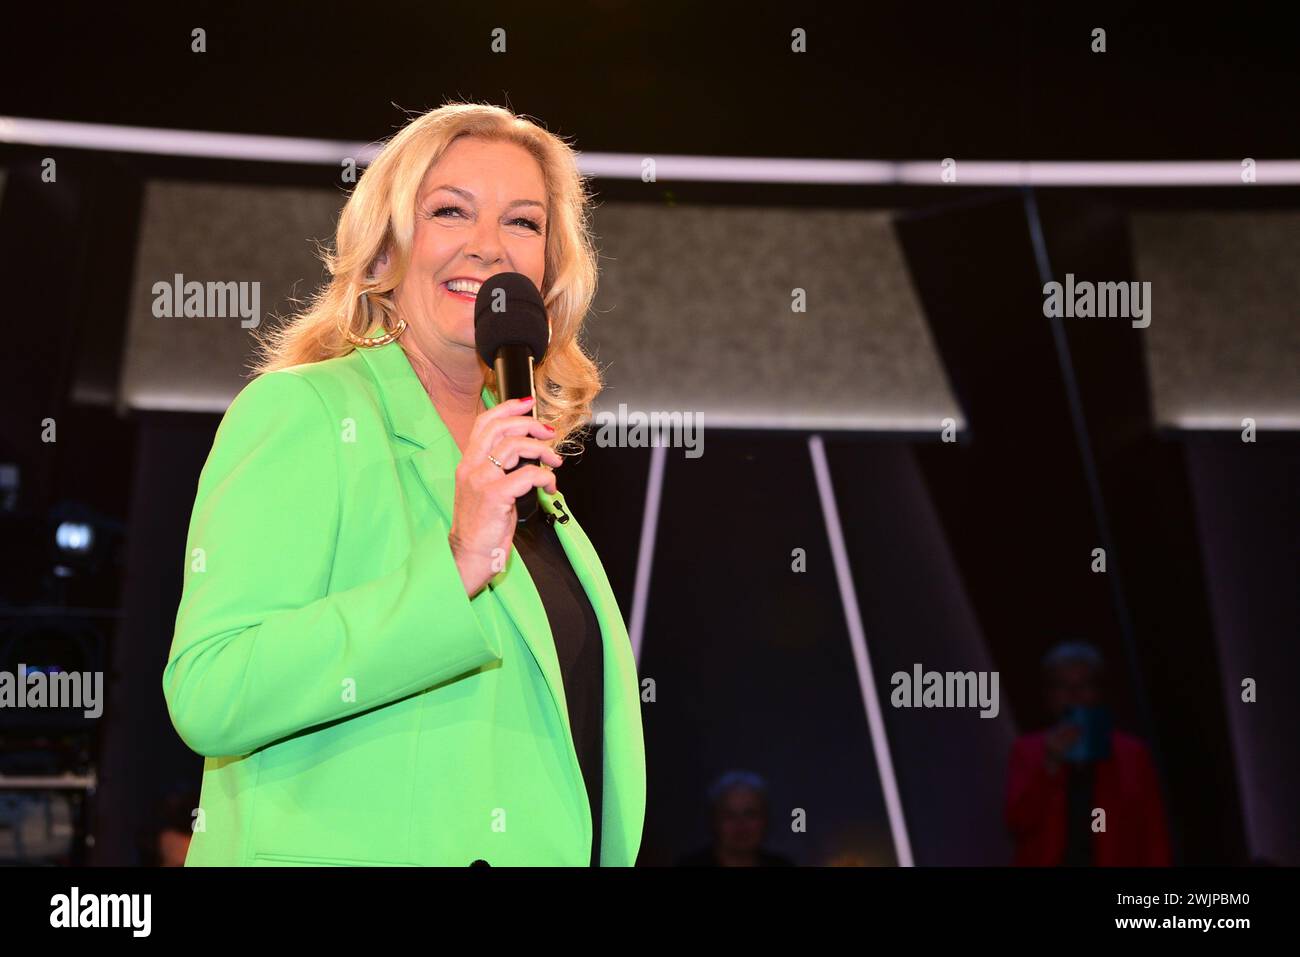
[(861, 657), (669, 167), (646, 552)]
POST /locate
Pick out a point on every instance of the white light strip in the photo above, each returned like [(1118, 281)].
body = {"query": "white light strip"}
[(646, 551), (1122, 173), (672, 167), (861, 657), (1227, 422), (142, 139), (740, 169)]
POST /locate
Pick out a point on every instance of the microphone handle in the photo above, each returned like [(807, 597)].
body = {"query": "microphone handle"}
[(514, 369)]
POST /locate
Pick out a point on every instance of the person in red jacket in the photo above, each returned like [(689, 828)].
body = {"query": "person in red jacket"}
[(1081, 793)]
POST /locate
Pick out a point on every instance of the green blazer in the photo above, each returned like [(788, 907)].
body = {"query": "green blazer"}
[(354, 705)]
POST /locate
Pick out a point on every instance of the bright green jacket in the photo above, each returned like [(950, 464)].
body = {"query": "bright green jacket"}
[(353, 704)]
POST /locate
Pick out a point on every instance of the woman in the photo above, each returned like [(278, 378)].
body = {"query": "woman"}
[(379, 665)]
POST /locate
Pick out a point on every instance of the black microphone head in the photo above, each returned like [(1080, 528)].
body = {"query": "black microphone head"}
[(509, 310)]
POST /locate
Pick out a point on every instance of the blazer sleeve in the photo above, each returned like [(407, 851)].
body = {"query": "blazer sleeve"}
[(261, 648)]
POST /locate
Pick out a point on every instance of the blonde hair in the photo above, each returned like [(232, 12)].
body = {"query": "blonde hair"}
[(380, 215)]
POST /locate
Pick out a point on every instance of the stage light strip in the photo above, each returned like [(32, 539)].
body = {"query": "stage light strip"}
[(206, 145), (745, 169), (861, 657), (646, 551), (674, 167)]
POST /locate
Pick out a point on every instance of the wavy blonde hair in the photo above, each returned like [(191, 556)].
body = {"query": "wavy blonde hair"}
[(380, 215)]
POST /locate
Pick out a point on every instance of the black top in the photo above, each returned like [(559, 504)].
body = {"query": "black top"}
[(1078, 815), (578, 645)]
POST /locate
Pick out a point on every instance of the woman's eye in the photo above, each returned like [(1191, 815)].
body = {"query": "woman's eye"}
[(528, 223)]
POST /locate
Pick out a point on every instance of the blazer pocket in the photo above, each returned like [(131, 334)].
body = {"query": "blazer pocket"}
[(294, 860)]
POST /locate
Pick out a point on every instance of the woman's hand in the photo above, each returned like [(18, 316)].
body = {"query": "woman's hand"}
[(483, 521)]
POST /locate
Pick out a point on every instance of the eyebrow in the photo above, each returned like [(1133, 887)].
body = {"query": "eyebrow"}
[(466, 194)]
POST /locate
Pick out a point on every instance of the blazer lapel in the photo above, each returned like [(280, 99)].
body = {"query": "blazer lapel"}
[(414, 418)]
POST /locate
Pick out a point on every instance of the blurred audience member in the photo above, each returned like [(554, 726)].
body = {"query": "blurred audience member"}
[(1060, 779), (738, 817), (167, 836)]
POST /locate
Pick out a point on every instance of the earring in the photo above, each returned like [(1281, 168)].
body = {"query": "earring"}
[(367, 343)]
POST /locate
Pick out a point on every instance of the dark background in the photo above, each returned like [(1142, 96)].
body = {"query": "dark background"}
[(964, 546)]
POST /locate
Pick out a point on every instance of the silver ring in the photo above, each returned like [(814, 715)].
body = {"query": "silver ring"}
[(495, 462)]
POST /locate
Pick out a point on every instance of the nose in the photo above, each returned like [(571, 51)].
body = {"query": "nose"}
[(485, 244)]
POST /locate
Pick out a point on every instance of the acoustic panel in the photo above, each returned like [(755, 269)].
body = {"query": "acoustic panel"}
[(1224, 339), (743, 317), (216, 233), (700, 310)]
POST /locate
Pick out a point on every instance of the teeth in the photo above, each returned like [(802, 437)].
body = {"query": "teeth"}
[(464, 285)]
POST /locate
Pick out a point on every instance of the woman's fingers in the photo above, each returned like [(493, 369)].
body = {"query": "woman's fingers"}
[(517, 425), (492, 439), (482, 523), (513, 448), (521, 480), (513, 414)]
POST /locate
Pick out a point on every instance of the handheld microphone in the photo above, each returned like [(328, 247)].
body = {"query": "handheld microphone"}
[(511, 335)]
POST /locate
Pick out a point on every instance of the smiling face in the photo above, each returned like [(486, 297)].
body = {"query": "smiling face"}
[(481, 210)]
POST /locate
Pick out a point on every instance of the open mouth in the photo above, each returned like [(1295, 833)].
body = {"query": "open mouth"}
[(463, 289)]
